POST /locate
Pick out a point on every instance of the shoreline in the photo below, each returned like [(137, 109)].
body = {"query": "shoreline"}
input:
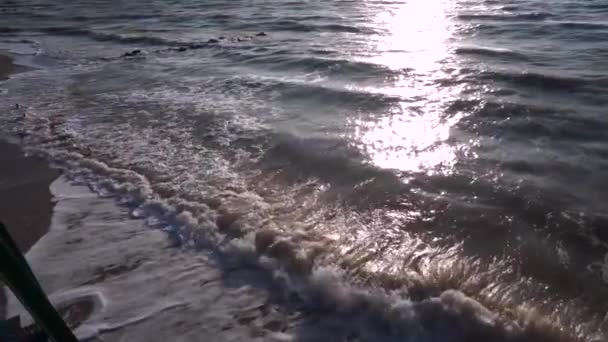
[(26, 202), (25, 198)]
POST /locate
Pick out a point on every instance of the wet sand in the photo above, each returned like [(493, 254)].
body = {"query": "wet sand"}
[(6, 67), (25, 199)]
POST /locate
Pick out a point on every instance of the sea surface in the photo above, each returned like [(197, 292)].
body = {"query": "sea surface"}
[(398, 170)]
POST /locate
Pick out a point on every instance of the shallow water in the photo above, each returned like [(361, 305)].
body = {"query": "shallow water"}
[(416, 146)]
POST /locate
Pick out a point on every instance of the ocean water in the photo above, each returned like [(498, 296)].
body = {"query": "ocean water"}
[(396, 170)]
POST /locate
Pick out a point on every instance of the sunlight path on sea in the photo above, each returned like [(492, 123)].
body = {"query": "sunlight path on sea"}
[(414, 39)]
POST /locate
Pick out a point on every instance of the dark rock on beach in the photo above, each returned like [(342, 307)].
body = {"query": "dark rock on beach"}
[(132, 53)]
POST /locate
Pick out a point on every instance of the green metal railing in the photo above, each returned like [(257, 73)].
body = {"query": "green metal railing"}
[(16, 273)]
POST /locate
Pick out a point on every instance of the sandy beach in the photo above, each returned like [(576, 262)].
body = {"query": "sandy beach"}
[(25, 200)]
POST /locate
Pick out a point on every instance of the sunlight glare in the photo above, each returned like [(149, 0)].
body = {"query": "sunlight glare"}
[(412, 137)]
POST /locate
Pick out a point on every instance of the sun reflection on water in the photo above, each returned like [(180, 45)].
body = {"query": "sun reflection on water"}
[(416, 35), (414, 135), (408, 142)]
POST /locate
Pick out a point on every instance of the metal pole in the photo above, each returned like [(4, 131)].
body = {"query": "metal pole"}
[(21, 280)]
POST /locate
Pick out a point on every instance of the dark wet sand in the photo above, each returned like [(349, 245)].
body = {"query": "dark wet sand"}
[(6, 67), (25, 199)]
